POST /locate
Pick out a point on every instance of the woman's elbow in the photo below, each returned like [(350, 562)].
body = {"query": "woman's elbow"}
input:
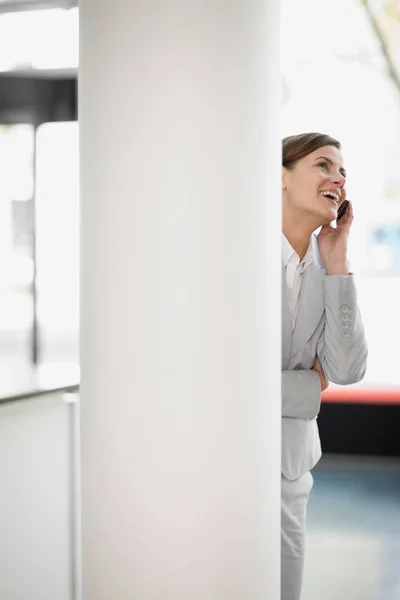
[(349, 373)]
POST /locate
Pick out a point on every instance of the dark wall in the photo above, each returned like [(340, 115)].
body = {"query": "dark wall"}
[(360, 429), (37, 100)]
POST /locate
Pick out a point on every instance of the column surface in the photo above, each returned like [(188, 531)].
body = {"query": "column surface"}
[(180, 299)]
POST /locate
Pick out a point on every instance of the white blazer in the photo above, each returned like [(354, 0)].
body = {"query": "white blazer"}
[(329, 326)]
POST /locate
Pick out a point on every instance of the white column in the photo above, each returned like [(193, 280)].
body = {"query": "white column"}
[(180, 351)]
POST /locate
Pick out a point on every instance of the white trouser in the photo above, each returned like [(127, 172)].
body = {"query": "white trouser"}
[(293, 524)]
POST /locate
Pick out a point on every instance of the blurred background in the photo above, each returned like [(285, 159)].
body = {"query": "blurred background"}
[(39, 282), (340, 75)]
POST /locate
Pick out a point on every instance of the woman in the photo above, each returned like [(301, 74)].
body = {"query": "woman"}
[(322, 333)]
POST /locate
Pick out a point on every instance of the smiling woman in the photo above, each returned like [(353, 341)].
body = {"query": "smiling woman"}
[(313, 168), (322, 333)]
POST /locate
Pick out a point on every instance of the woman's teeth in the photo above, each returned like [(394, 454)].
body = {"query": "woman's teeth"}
[(331, 195)]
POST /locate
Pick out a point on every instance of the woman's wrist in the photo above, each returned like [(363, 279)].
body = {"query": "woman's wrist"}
[(338, 269)]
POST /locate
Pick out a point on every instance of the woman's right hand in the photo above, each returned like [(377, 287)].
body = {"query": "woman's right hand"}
[(318, 367)]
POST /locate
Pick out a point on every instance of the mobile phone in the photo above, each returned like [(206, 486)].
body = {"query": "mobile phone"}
[(342, 210)]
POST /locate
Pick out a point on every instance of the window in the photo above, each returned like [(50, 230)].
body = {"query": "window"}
[(16, 243), (57, 242)]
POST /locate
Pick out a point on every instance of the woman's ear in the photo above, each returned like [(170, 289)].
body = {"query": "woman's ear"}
[(284, 178)]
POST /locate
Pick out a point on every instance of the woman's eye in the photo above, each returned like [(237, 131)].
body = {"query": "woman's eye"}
[(323, 164)]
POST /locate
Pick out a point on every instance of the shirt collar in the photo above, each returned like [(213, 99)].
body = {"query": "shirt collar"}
[(288, 252)]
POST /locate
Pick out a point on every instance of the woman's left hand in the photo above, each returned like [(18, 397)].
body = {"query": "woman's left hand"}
[(332, 244)]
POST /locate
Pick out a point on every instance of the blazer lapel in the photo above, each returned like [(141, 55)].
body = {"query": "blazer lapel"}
[(311, 306), (287, 326)]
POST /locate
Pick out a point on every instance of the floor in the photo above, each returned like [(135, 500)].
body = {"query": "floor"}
[(353, 541)]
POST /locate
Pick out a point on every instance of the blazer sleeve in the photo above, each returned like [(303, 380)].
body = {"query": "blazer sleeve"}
[(301, 394), (342, 347)]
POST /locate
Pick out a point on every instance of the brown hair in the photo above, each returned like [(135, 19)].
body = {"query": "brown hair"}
[(296, 147)]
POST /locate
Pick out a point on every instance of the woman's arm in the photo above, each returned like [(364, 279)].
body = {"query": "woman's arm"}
[(301, 392), (342, 347)]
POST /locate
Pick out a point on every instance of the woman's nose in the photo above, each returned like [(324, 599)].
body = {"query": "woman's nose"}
[(339, 179)]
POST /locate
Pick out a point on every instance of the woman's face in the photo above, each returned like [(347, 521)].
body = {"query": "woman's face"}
[(315, 185)]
